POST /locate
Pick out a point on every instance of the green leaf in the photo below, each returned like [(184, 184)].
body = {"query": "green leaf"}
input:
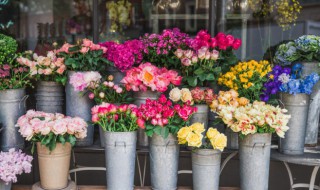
[(203, 77), (149, 133), (210, 77), (217, 69), (165, 132), (158, 130), (199, 71), (192, 81), (61, 139), (72, 140)]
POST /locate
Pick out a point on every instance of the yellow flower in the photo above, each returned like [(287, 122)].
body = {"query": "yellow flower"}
[(194, 139), (219, 142), (212, 133), (186, 95), (271, 76), (182, 134), (197, 128)]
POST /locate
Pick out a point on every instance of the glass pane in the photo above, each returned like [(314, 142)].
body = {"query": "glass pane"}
[(127, 19), (36, 24)]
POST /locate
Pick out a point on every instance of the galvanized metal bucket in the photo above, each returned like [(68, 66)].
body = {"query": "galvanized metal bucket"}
[(80, 105), (164, 158), (206, 169), (140, 98), (312, 129), (254, 155), (233, 139), (201, 115), (120, 155), (3, 186), (12, 104), (117, 75), (50, 97), (297, 106)]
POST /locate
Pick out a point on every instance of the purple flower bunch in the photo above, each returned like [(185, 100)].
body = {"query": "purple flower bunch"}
[(125, 55), (275, 79), (14, 163), (159, 48)]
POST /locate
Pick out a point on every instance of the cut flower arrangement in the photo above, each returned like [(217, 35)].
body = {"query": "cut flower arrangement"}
[(45, 68), (14, 163), (82, 81), (50, 129), (250, 118), (195, 96), (149, 77), (113, 118), (85, 56), (193, 136), (162, 117)]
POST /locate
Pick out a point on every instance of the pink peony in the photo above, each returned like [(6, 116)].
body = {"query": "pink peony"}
[(84, 50), (141, 123), (78, 82), (236, 44)]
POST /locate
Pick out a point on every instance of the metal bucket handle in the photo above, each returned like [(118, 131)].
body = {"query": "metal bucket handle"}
[(117, 143), (23, 99), (261, 144), (1, 127)]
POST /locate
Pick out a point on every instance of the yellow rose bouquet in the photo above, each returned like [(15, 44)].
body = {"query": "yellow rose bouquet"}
[(247, 78), (193, 136)]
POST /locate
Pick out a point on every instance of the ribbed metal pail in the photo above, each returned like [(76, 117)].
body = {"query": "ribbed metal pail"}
[(50, 97), (233, 139), (254, 155), (140, 98), (206, 169), (80, 105), (297, 106), (201, 115), (120, 154), (12, 106), (164, 159)]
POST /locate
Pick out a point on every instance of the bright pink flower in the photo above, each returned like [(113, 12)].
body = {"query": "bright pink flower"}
[(236, 44), (230, 40), (91, 96), (214, 43), (141, 123), (154, 122), (123, 107), (95, 118)]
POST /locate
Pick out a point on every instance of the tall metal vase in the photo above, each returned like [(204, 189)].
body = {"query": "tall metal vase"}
[(233, 139), (120, 155), (140, 98), (254, 155), (314, 105), (297, 106), (12, 106), (164, 159), (206, 169), (116, 73), (201, 115), (4, 186), (79, 104), (50, 97)]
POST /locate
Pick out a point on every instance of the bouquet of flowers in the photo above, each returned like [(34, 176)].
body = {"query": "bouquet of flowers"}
[(124, 56), (305, 48), (113, 118), (193, 136), (12, 74), (247, 78), (162, 117), (160, 48), (14, 163), (109, 92), (85, 56), (248, 118), (45, 68), (119, 14), (148, 76), (50, 129), (195, 96), (82, 81), (294, 84)]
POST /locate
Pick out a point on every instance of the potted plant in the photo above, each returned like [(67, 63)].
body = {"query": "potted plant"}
[(13, 80), (206, 154), (161, 121), (304, 50), (83, 57), (147, 81), (49, 72), (295, 93), (198, 97), (53, 135), (254, 122), (120, 124), (13, 163)]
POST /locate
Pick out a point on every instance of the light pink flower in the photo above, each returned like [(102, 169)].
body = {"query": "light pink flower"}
[(78, 82)]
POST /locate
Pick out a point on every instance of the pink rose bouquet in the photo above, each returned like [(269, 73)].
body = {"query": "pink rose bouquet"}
[(148, 76), (85, 56), (45, 68), (195, 96), (160, 48), (50, 129), (85, 80), (113, 118), (14, 163), (162, 117), (109, 92)]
